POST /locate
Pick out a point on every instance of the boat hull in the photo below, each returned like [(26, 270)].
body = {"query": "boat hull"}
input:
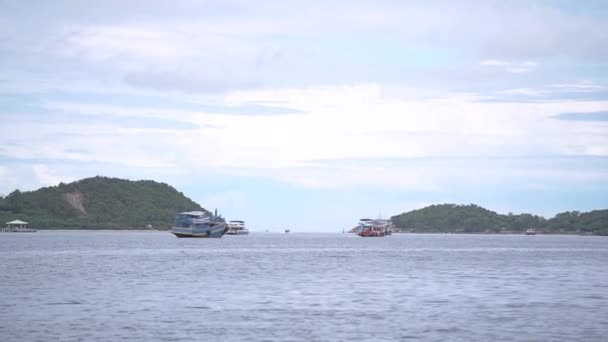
[(371, 234), (237, 232), (212, 232)]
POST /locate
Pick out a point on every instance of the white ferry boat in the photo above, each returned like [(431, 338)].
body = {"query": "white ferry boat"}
[(199, 224), (237, 227)]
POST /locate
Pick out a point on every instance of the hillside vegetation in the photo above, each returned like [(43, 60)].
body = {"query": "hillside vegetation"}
[(452, 218), (97, 203)]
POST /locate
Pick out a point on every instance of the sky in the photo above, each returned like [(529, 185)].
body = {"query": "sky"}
[(309, 115)]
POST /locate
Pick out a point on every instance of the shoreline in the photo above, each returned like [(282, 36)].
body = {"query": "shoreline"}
[(505, 234), (320, 232)]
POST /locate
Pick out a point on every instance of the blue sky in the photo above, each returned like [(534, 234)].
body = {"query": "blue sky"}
[(309, 114)]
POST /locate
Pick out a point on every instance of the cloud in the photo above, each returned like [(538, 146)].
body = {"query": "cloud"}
[(194, 116), (214, 48), (16, 174), (336, 122), (536, 31), (512, 67), (350, 121), (346, 106), (581, 86), (47, 176), (583, 91), (211, 47), (518, 70), (582, 116), (103, 43), (493, 62), (522, 91), (172, 80)]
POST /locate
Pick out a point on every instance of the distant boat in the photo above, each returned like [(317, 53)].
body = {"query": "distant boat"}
[(236, 227), (287, 230), (531, 231), (199, 224)]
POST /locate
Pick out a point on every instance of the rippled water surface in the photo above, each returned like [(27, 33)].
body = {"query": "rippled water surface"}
[(150, 286)]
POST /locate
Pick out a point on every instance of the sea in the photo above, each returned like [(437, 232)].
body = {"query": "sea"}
[(151, 286)]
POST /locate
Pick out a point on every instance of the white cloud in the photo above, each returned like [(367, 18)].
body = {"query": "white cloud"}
[(518, 70), (212, 47), (493, 62), (47, 176), (581, 86), (343, 122), (529, 64), (597, 150), (555, 90), (163, 50), (522, 91), (27, 177), (511, 67), (100, 43)]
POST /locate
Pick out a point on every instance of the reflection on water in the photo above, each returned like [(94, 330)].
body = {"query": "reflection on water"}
[(100, 286)]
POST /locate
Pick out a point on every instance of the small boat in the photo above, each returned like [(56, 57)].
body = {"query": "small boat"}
[(287, 230), (237, 227), (199, 224), (531, 231)]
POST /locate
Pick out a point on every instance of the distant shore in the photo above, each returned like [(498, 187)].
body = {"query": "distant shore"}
[(506, 234), (280, 232)]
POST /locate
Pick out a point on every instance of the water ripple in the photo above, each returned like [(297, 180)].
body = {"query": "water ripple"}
[(150, 286)]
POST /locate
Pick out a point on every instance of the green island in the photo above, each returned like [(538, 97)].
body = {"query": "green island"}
[(112, 203), (98, 203), (453, 218)]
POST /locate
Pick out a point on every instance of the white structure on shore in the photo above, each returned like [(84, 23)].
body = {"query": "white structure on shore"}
[(17, 226)]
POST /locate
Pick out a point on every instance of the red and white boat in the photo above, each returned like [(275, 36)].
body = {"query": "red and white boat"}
[(374, 228)]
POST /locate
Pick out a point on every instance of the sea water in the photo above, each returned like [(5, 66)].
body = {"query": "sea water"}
[(151, 286)]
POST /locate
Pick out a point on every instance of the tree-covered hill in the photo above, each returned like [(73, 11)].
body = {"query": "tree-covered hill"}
[(97, 203), (475, 219)]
